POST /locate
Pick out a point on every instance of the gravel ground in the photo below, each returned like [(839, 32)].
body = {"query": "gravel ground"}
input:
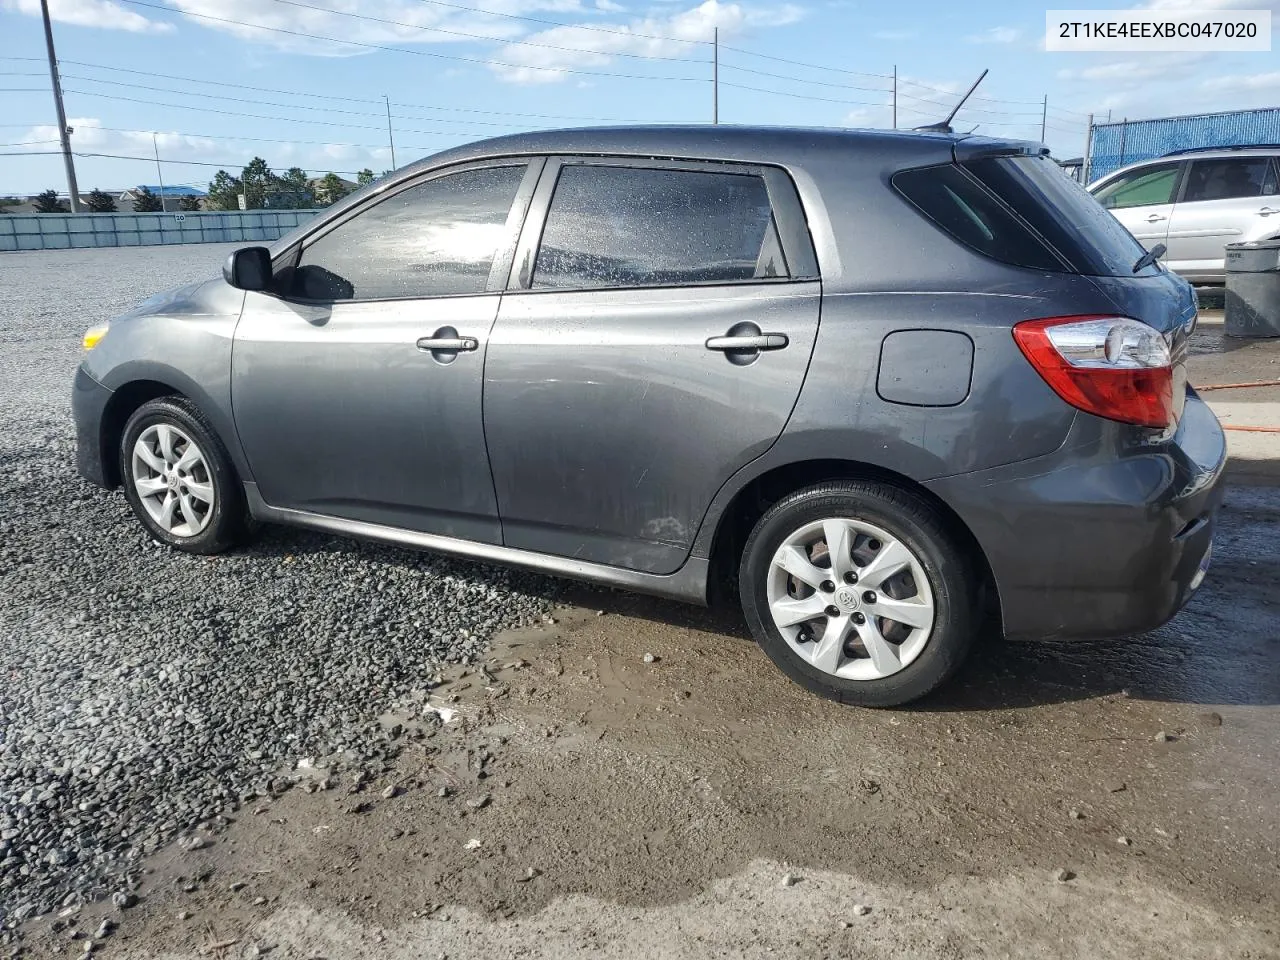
[(148, 691)]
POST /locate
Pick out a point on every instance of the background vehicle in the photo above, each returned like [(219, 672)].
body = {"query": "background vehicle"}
[(873, 382), (1196, 202)]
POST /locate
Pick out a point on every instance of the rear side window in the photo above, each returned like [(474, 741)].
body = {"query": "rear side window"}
[(1063, 214), (640, 227), (437, 239), (1229, 179), (960, 205), (1140, 188)]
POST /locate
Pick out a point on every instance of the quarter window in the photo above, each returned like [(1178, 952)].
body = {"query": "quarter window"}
[(638, 227), (1140, 188), (1227, 179), (437, 239)]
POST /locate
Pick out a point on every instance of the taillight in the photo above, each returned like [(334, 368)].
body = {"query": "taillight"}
[(1114, 367)]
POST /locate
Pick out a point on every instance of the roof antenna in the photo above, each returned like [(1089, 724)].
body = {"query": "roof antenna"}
[(945, 125)]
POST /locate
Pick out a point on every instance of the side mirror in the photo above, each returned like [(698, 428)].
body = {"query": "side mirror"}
[(248, 269)]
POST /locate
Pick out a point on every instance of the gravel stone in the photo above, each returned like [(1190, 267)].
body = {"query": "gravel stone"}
[(1062, 875), (145, 690), (789, 880), (861, 909)]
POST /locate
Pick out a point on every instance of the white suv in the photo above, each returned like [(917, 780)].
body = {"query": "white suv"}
[(1195, 202)]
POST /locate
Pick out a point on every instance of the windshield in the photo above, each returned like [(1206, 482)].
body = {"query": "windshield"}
[(1058, 208)]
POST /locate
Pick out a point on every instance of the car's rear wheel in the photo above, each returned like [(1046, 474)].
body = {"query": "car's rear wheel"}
[(179, 479), (859, 591)]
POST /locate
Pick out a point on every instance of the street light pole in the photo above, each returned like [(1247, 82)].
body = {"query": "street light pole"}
[(63, 133)]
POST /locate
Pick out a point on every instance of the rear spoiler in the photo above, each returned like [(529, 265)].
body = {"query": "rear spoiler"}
[(976, 148)]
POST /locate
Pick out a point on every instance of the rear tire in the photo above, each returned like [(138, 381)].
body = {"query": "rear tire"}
[(826, 614), (179, 479)]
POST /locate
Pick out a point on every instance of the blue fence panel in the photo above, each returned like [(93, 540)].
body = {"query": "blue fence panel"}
[(51, 231), (1114, 145)]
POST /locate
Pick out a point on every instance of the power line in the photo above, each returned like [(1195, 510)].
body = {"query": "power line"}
[(327, 96), (480, 36), (417, 53), (190, 163), (259, 116), (802, 96), (820, 83), (264, 103), (801, 63)]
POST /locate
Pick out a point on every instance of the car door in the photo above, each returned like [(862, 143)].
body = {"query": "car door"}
[(1220, 203), (356, 383), (654, 339), (1142, 200)]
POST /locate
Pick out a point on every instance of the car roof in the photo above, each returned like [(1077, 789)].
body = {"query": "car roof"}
[(1198, 153), (694, 141)]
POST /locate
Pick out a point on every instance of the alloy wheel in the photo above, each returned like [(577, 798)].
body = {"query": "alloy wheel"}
[(172, 479)]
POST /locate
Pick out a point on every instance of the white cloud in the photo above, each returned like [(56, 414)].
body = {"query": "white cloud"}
[(580, 47), (894, 35), (995, 35), (1256, 81), (1136, 71), (90, 13)]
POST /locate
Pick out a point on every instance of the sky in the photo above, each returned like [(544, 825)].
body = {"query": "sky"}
[(213, 83)]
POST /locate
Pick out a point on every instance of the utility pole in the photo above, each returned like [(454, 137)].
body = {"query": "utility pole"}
[(63, 133), (895, 96), (156, 148), (715, 75), (390, 139), (1044, 115), (1088, 153)]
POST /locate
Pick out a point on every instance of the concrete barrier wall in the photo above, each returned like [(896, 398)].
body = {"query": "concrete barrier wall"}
[(58, 231)]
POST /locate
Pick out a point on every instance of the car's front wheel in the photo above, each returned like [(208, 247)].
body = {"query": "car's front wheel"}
[(858, 591), (179, 479)]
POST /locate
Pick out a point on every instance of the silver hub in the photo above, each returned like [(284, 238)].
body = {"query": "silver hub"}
[(847, 599), (850, 599), (172, 480)]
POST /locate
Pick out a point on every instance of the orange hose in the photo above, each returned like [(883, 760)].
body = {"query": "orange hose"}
[(1253, 429), (1238, 386)]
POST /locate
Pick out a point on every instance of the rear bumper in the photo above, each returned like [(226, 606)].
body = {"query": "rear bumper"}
[(89, 401), (1104, 537)]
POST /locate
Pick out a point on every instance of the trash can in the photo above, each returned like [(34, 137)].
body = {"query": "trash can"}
[(1253, 289)]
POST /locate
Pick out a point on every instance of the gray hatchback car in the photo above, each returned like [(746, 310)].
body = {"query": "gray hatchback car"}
[(878, 385)]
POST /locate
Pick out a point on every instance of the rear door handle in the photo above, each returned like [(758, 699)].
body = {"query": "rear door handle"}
[(760, 341), (1267, 211), (433, 344), (1155, 218)]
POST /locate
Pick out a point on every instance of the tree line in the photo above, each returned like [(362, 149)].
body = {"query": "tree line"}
[(261, 186)]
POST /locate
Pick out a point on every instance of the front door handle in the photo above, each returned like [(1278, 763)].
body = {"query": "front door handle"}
[(759, 341), (1155, 218), (1267, 211)]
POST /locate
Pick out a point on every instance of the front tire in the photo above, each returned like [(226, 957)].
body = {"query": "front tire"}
[(858, 591), (179, 479)]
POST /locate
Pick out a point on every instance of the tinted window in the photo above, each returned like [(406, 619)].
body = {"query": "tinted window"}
[(631, 227), (960, 205), (1227, 179), (1140, 188), (437, 239), (1061, 211)]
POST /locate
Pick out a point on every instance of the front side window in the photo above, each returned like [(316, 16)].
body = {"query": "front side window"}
[(1227, 179), (436, 239), (638, 227), (1140, 188)]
